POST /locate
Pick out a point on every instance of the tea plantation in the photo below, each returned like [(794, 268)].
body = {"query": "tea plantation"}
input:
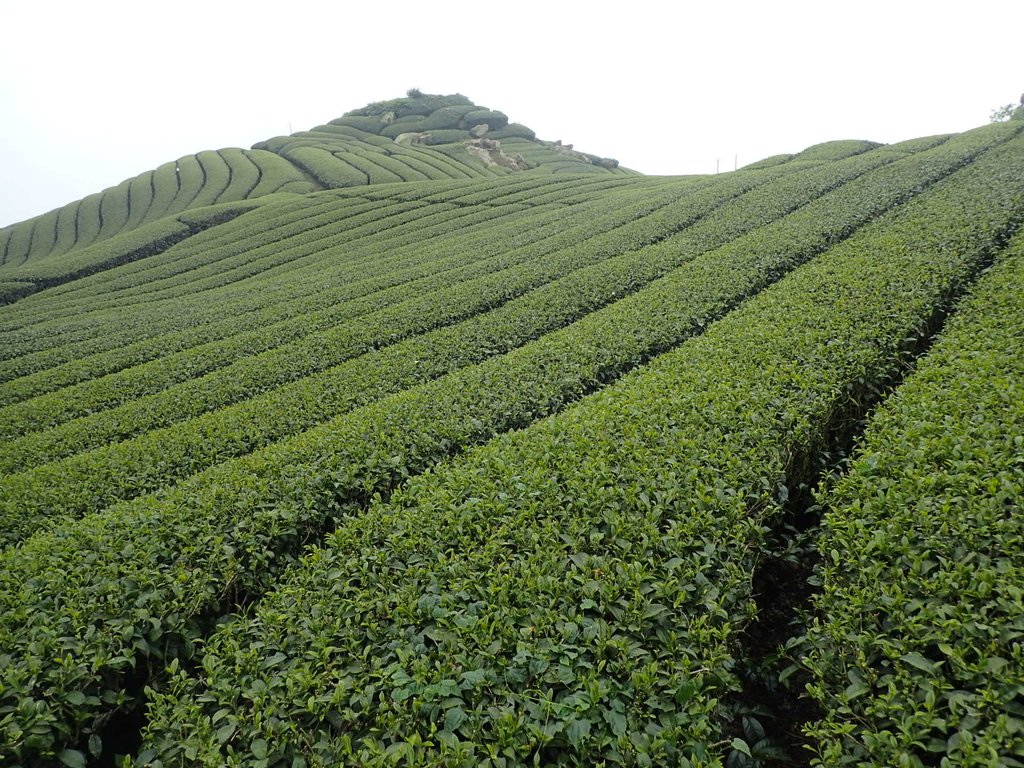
[(415, 440)]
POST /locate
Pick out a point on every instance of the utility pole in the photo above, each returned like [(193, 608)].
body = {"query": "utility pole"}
[(718, 163)]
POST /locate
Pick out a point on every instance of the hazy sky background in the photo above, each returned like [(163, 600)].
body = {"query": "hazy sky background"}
[(94, 93)]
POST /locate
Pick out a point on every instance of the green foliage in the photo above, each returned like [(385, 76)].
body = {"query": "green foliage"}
[(768, 162), (343, 153), (358, 338), (546, 596), (244, 175), (547, 418), (449, 136), (446, 118), (917, 654), (513, 130), (1007, 112), (114, 210), (410, 124), (87, 223), (422, 104), (192, 181), (492, 119), (362, 122), (44, 234), (835, 150), (12, 290), (165, 182)]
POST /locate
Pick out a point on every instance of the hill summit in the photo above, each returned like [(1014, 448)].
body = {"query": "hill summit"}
[(451, 125)]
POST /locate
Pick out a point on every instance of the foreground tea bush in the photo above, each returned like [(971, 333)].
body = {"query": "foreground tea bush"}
[(918, 649)]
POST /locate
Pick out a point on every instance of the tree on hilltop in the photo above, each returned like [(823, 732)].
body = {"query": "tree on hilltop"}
[(1008, 112)]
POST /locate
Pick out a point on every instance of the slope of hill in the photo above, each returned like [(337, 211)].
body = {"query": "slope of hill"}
[(410, 139), (458, 463)]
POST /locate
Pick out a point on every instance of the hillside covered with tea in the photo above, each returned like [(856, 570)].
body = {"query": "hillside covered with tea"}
[(417, 440)]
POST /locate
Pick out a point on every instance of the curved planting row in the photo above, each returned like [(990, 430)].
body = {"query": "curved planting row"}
[(118, 332), (209, 441), (835, 150), (266, 222), (666, 222), (226, 266), (917, 651), (244, 174), (44, 235), (87, 219), (280, 276), (192, 181), (394, 161), (380, 229), (315, 292), (144, 280), (12, 290), (431, 164), (375, 165), (343, 161), (324, 166), (143, 242), (547, 159), (362, 148), (78, 484), (226, 534), (37, 331), (456, 258), (5, 238), (573, 594), (217, 258), (323, 301), (442, 163)]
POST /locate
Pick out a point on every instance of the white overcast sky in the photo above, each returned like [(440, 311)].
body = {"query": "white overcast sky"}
[(92, 93)]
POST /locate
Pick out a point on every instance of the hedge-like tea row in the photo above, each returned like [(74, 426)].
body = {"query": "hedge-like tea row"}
[(12, 290), (318, 287), (271, 292), (91, 291), (192, 181), (78, 613), (80, 483), (338, 160), (296, 206), (573, 594), (918, 651), (277, 313), (204, 264), (365, 269), (458, 259), (85, 306), (132, 245), (835, 150), (359, 149), (166, 277)]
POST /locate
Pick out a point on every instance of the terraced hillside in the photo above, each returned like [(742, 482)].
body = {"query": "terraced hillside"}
[(520, 463), (417, 138)]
